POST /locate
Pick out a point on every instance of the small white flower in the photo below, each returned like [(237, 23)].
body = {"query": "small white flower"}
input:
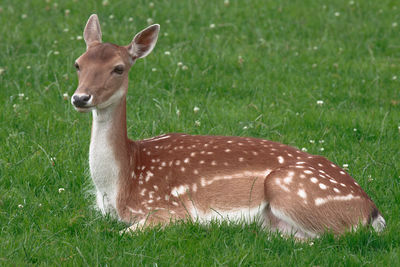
[(394, 78), (165, 34), (312, 141), (56, 53), (153, 69), (345, 166), (315, 47), (321, 141), (20, 206), (394, 24), (60, 190), (65, 96), (197, 123), (245, 127), (2, 70), (149, 21), (180, 64), (21, 95), (66, 12), (130, 19), (351, 3), (40, 205), (304, 149), (226, 2), (178, 112), (311, 243), (66, 30), (184, 67), (314, 65), (398, 127), (321, 149), (105, 2), (337, 14), (196, 109), (167, 53), (111, 16), (212, 26), (168, 21), (24, 16), (79, 37), (320, 102), (28, 67), (355, 130), (151, 4)]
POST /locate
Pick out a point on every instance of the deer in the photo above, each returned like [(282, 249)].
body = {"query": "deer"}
[(204, 178)]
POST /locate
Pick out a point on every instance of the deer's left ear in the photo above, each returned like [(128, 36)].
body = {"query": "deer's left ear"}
[(92, 32), (144, 42)]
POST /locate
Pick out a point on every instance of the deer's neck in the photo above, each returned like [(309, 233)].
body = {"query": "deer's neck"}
[(108, 153)]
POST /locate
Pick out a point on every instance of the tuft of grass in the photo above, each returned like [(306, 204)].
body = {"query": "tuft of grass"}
[(254, 69)]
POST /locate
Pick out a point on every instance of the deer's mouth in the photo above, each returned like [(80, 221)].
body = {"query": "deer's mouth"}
[(83, 109)]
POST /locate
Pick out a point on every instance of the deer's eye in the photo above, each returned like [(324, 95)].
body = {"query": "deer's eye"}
[(118, 69), (76, 65)]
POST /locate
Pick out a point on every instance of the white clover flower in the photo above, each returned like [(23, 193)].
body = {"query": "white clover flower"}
[(130, 19), (355, 130), (197, 123), (184, 67), (28, 67), (351, 3), (111, 16), (20, 206), (178, 112), (315, 47), (79, 37), (56, 53), (320, 102), (314, 65), (153, 69), (245, 127), (321, 141), (66, 12), (165, 34), (212, 26), (312, 141), (105, 3), (337, 14), (65, 96), (394, 78), (151, 4), (24, 16), (167, 53), (149, 21), (66, 30), (60, 190), (321, 149), (394, 24), (226, 2), (196, 109), (40, 205), (304, 149), (180, 64), (21, 95), (2, 70), (345, 166)]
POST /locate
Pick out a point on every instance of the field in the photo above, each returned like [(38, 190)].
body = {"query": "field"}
[(323, 76)]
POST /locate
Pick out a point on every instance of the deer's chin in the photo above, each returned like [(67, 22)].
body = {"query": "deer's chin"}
[(83, 109)]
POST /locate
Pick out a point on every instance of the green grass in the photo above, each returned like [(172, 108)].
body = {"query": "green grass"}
[(259, 72)]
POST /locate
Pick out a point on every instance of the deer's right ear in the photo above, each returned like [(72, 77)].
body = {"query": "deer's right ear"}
[(92, 32), (144, 42)]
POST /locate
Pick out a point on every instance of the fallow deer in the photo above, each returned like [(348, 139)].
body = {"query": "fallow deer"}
[(180, 176)]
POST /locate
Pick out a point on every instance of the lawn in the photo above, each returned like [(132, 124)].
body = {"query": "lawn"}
[(323, 76)]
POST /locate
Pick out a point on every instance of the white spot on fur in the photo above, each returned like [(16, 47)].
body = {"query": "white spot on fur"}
[(321, 201), (302, 193), (281, 160), (322, 186), (314, 180), (308, 172)]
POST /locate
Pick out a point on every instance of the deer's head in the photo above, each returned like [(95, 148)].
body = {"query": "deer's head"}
[(103, 68)]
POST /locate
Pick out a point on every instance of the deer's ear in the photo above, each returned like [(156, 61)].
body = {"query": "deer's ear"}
[(92, 32), (144, 42)]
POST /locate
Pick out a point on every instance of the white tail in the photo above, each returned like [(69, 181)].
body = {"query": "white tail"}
[(176, 176)]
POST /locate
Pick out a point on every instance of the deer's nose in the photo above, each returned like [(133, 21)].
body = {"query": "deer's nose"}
[(80, 100)]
